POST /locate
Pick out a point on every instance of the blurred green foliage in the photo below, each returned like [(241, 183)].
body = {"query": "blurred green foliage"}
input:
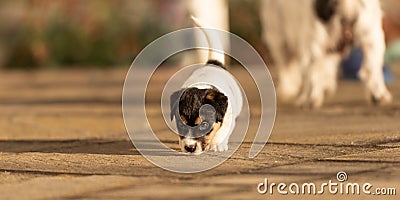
[(95, 33), (78, 33)]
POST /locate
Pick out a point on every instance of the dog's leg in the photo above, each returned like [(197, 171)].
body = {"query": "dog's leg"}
[(220, 141), (331, 74), (320, 81), (372, 76), (324, 80), (290, 81), (371, 40)]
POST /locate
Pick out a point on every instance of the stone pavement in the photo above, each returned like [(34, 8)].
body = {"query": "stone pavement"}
[(62, 137)]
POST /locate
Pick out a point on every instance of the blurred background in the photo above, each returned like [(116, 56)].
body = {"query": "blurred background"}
[(62, 70), (98, 33), (102, 33)]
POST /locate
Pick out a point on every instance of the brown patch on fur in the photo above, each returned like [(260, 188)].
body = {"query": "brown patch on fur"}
[(198, 121), (210, 96), (184, 120)]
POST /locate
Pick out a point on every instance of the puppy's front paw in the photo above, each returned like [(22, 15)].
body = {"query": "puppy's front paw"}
[(218, 147), (222, 147)]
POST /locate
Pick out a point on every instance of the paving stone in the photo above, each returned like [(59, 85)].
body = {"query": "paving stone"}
[(384, 155), (62, 136), (61, 187)]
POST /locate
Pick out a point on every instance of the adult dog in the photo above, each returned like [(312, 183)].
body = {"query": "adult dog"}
[(308, 38)]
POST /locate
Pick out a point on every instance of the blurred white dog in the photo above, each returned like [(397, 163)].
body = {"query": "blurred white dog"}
[(308, 39), (215, 13)]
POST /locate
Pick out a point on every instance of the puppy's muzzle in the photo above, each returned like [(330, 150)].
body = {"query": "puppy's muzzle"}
[(190, 148)]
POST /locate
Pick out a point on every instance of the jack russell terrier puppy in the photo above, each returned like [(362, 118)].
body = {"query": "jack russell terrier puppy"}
[(206, 107)]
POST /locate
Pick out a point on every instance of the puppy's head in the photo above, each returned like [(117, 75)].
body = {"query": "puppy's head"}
[(198, 114)]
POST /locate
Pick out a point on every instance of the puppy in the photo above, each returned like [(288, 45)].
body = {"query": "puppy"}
[(308, 38), (206, 107)]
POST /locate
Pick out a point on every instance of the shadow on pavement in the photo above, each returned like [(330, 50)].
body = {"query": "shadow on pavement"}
[(111, 147)]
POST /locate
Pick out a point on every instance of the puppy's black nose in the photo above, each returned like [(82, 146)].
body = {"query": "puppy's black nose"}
[(190, 148)]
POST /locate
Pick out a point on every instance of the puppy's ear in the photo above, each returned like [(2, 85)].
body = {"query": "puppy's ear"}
[(174, 102), (219, 101)]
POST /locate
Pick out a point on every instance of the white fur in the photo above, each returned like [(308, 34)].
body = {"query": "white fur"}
[(213, 76), (213, 14), (307, 72), (213, 41)]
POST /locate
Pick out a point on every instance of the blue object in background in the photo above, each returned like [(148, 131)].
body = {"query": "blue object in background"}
[(352, 64)]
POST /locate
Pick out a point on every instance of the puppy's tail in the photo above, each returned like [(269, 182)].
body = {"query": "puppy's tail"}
[(216, 54)]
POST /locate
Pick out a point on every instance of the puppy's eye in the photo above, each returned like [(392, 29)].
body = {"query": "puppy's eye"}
[(204, 125), (182, 126)]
